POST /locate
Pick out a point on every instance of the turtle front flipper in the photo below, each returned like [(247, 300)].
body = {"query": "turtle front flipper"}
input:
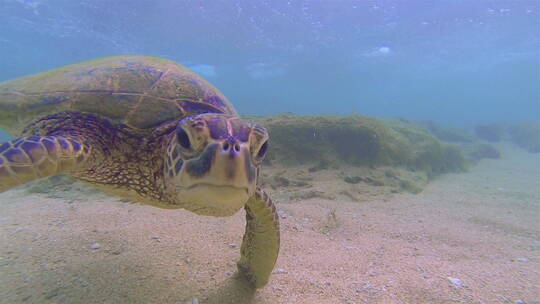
[(29, 158), (260, 246)]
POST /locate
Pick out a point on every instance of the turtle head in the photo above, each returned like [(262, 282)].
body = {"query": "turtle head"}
[(212, 163)]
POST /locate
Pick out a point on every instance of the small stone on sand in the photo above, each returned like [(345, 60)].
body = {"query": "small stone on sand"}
[(193, 301), (457, 282), (95, 246)]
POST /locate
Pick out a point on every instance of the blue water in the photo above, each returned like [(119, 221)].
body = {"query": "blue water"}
[(460, 62)]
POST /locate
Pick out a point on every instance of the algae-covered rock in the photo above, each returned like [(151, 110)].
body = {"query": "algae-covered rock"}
[(481, 151), (327, 139), (436, 158), (357, 141), (447, 134), (490, 132), (419, 150), (526, 136)]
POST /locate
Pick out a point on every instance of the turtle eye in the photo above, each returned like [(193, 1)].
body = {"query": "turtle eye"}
[(183, 138), (262, 150)]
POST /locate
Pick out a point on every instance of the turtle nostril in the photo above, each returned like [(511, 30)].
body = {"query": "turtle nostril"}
[(225, 146), (236, 147)]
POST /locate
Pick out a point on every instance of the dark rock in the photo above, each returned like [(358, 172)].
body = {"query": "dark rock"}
[(353, 179), (303, 195), (280, 181), (299, 183), (410, 187), (321, 165), (374, 182)]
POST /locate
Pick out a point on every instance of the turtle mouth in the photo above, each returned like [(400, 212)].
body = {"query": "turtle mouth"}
[(216, 187), (212, 199)]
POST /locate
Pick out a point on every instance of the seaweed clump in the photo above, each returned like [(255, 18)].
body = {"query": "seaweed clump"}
[(358, 141), (526, 136)]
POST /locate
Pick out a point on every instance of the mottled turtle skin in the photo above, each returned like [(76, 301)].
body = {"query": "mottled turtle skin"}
[(148, 130)]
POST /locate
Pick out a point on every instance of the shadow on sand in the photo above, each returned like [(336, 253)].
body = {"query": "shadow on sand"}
[(234, 290)]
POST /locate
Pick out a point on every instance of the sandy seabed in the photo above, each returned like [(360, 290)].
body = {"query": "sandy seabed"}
[(481, 228)]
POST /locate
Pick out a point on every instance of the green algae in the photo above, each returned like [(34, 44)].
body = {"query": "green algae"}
[(446, 133), (358, 141)]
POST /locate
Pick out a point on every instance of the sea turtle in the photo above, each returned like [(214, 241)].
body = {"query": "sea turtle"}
[(148, 130)]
